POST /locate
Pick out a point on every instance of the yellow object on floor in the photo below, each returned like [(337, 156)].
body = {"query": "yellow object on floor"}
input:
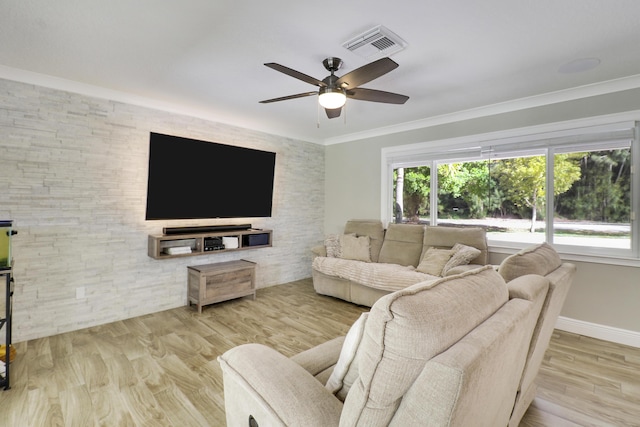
[(3, 352)]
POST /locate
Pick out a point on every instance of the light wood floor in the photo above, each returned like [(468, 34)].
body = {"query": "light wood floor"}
[(161, 369)]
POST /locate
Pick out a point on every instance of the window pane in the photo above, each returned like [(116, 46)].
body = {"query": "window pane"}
[(593, 199), (414, 186), (464, 192), (507, 196)]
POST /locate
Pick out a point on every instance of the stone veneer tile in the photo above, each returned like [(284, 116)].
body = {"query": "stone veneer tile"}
[(73, 179)]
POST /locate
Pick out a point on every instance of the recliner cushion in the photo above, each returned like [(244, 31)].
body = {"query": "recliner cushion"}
[(402, 244), (407, 328), (441, 236)]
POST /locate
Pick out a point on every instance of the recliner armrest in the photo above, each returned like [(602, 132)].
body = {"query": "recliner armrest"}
[(275, 390), (321, 357), (319, 250), (521, 287)]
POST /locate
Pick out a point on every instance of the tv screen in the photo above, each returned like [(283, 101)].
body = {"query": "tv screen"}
[(191, 179)]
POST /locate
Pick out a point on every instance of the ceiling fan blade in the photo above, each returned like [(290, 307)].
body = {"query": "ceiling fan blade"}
[(296, 74), (332, 113), (366, 73), (284, 98), (373, 95)]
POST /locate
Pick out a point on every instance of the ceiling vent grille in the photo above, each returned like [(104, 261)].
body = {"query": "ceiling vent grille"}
[(375, 43)]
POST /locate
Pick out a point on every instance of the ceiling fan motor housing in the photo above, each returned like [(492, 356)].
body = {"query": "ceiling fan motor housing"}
[(332, 64), (330, 81)]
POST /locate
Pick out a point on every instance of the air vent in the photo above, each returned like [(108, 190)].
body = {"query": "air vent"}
[(375, 43)]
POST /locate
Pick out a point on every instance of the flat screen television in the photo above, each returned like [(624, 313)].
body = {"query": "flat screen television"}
[(192, 179)]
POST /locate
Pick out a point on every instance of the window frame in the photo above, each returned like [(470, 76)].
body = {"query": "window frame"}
[(546, 139)]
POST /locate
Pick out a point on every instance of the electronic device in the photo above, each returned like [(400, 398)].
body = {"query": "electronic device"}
[(177, 250), (205, 229), (213, 244), (255, 239), (230, 242), (192, 179)]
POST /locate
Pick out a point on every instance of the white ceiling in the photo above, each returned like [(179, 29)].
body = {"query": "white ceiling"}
[(205, 57)]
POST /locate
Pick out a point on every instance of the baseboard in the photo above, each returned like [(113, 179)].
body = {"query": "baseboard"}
[(602, 332)]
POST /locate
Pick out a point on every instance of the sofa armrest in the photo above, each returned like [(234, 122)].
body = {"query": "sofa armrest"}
[(273, 389), (321, 357), (319, 250)]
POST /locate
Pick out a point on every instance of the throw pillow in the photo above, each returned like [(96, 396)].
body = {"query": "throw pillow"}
[(462, 255), (347, 354), (332, 245), (434, 261), (355, 248)]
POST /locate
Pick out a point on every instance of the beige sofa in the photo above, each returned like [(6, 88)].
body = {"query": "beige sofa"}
[(371, 262), (462, 350)]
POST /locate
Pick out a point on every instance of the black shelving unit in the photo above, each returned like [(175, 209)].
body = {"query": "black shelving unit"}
[(5, 322)]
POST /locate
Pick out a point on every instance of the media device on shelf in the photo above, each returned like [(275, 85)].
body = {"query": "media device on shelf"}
[(213, 244), (205, 229), (255, 239), (193, 179)]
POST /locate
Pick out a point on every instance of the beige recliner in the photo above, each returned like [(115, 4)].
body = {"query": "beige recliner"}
[(444, 353), (542, 260)]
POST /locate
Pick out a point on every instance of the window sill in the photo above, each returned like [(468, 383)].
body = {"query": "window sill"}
[(509, 248)]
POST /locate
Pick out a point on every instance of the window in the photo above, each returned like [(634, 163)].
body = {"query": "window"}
[(505, 194), (593, 207), (411, 194), (573, 189)]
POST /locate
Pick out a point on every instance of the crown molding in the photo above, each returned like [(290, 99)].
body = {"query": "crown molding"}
[(595, 89)]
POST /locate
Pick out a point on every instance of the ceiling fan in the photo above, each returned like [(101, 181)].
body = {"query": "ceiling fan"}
[(335, 90)]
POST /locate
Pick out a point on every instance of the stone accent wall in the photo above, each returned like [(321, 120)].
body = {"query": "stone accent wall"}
[(73, 176)]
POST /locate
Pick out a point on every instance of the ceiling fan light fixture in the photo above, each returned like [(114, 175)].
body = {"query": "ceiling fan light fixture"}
[(332, 97)]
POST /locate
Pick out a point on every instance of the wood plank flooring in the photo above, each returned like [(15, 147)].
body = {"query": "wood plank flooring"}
[(586, 382), (161, 369)]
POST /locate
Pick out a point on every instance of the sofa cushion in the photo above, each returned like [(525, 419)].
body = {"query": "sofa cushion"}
[(539, 259), (462, 255), (434, 260), (387, 277), (355, 247), (407, 328), (441, 236), (367, 227), (402, 244)]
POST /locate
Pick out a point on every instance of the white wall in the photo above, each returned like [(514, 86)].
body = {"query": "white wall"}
[(73, 176), (605, 295)]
